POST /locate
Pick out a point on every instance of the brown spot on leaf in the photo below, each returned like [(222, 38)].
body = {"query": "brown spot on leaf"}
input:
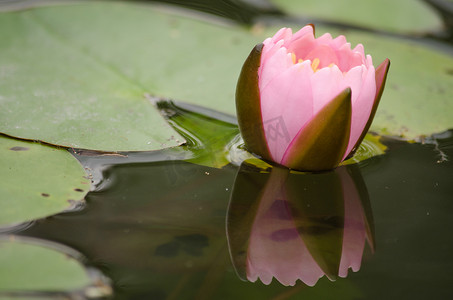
[(45, 195), (78, 190), (450, 72), (18, 148)]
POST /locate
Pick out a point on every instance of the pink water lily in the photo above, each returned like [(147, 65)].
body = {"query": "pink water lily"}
[(305, 102)]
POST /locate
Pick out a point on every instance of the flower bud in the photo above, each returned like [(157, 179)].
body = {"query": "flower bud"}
[(305, 102)]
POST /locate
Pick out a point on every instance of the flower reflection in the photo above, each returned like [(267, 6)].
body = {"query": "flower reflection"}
[(295, 226)]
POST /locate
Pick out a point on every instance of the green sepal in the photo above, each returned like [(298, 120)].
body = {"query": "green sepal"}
[(380, 78), (248, 105), (321, 144)]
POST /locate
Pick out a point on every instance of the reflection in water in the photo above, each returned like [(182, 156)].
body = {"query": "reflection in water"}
[(298, 226)]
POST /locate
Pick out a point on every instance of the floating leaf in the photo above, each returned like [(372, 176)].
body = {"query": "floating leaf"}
[(37, 181), (371, 146), (26, 267), (403, 16), (56, 90), (73, 75)]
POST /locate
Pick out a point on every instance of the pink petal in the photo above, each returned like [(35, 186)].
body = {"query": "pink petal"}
[(325, 85), (338, 42), (362, 100), (348, 59), (284, 34), (306, 30), (302, 46), (324, 39), (286, 105), (353, 79), (359, 49), (325, 54), (269, 48), (272, 66), (369, 61)]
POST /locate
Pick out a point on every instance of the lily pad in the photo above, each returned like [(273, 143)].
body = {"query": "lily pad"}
[(402, 16), (37, 181), (55, 90), (76, 75), (26, 267)]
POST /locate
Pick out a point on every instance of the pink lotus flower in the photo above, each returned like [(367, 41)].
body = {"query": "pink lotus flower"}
[(305, 102)]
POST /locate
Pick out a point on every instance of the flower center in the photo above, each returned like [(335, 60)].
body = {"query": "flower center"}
[(314, 63)]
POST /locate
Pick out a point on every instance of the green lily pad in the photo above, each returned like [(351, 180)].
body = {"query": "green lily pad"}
[(402, 16), (74, 75), (55, 90), (37, 181), (28, 267)]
